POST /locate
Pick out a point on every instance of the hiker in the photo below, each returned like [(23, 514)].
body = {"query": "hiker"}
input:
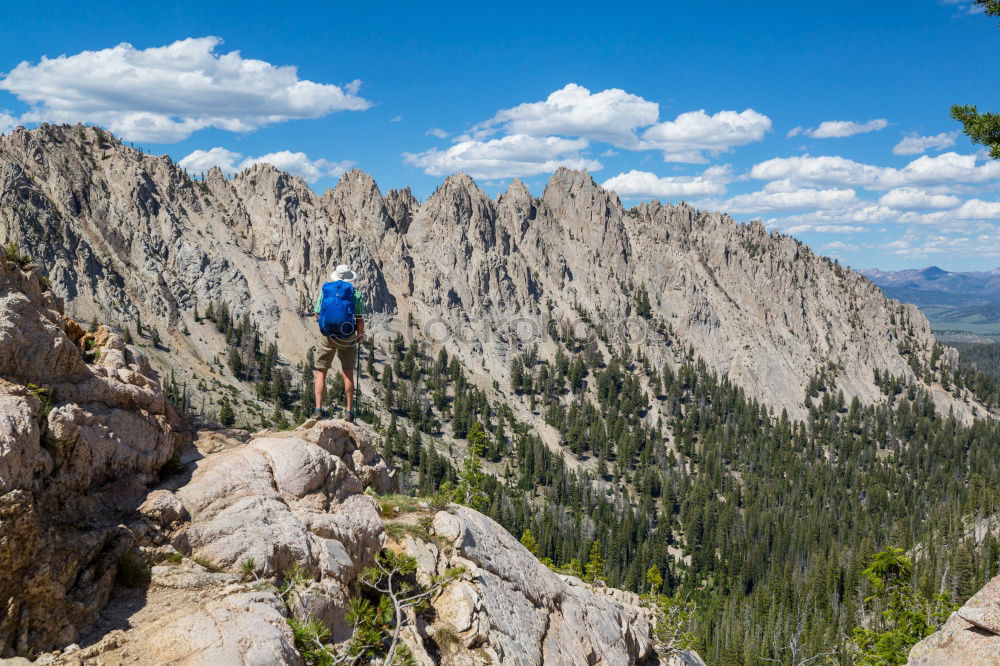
[(340, 313)]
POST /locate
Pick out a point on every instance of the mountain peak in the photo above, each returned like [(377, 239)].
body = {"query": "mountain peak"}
[(517, 190), (354, 183)]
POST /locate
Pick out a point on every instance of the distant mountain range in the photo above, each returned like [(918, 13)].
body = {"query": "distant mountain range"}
[(953, 301), (935, 286)]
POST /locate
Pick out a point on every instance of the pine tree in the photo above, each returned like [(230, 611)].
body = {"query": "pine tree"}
[(226, 415), (528, 541), (594, 571), (416, 445), (472, 481), (967, 582), (278, 417), (235, 363), (476, 437), (654, 578), (516, 375)]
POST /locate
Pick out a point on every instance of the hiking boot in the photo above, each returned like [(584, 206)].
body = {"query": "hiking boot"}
[(349, 416), (319, 414)]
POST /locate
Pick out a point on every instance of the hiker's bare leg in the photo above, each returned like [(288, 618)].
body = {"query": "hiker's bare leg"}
[(349, 387), (319, 387)]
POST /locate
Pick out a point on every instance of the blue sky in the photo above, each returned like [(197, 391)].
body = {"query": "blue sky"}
[(830, 125)]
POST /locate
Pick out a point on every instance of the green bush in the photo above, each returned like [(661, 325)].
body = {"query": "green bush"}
[(132, 572), (14, 254)]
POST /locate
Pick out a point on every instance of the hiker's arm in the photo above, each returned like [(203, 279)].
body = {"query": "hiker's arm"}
[(359, 315)]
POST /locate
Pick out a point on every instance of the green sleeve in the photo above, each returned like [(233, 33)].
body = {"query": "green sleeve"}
[(319, 301)]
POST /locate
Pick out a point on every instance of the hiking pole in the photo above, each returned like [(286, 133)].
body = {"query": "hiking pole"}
[(357, 377)]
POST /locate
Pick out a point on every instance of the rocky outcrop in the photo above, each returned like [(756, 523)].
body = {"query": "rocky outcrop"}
[(475, 272), (509, 608), (83, 430), (253, 531), (229, 532), (286, 500), (970, 636)]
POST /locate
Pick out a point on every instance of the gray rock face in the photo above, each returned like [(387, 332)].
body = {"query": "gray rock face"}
[(282, 499), (192, 616), (509, 608), (294, 499), (79, 442), (970, 636), (273, 504), (124, 234)]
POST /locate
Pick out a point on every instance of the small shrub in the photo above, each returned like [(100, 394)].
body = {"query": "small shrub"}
[(294, 577), (248, 568), (172, 466), (310, 640), (674, 626), (206, 564), (132, 572), (396, 530), (45, 395), (14, 254)]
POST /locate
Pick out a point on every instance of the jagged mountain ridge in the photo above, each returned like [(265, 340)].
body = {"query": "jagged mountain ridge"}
[(759, 307)]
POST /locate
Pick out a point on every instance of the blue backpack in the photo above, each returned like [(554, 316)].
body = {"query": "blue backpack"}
[(336, 310)]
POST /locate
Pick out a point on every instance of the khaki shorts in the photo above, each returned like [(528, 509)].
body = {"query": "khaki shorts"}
[(346, 349)]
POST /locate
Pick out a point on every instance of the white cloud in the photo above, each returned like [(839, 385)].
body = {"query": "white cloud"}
[(914, 144), (610, 115), (913, 245), (437, 132), (912, 198), (946, 169), (202, 160), (643, 184), (507, 157), (860, 212), (395, 119), (976, 209), (163, 94), (685, 138), (295, 163), (855, 217), (783, 185), (822, 229), (840, 246), (299, 164), (543, 134), (7, 122), (802, 199), (838, 129)]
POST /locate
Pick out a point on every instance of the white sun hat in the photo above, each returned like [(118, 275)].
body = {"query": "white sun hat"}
[(342, 272)]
